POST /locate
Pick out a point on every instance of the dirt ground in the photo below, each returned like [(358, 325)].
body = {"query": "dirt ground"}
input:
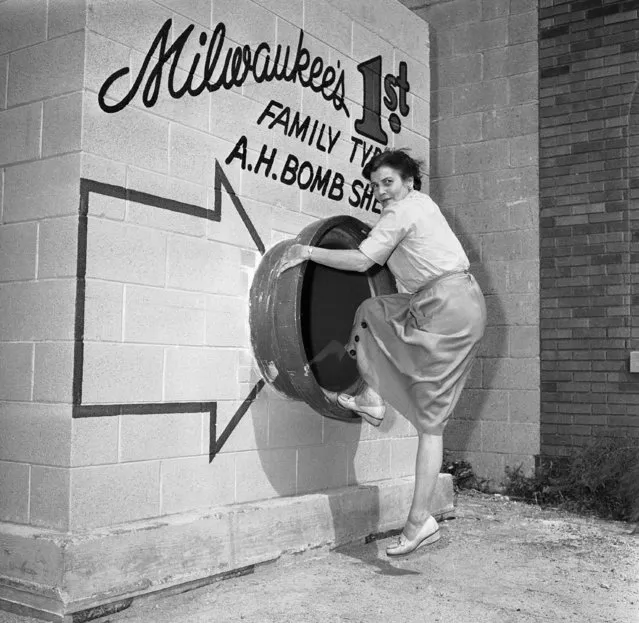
[(498, 561)]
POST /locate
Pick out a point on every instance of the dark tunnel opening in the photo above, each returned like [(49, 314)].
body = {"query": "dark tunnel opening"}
[(329, 301)]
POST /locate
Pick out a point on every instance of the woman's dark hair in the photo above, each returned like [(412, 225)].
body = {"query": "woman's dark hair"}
[(399, 160)]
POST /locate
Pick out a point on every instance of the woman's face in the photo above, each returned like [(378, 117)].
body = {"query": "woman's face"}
[(388, 185)]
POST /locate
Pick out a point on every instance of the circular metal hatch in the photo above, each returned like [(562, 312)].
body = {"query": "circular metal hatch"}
[(301, 319)]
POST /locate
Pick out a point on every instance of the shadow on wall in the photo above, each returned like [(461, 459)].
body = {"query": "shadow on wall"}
[(463, 434)]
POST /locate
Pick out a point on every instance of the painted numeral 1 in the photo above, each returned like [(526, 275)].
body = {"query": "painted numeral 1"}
[(370, 125)]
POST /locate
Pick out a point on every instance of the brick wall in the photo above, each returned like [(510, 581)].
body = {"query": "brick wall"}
[(484, 175), (588, 58)]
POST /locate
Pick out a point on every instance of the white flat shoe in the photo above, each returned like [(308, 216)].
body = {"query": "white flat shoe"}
[(374, 415), (427, 535)]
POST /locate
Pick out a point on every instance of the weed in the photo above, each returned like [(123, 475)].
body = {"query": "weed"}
[(601, 478), (463, 475)]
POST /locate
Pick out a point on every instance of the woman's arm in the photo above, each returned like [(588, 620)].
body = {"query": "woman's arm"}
[(342, 259)]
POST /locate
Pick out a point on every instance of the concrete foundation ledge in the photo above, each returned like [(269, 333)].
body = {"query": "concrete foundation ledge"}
[(75, 577)]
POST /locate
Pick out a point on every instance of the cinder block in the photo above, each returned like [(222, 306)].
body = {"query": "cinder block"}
[(157, 316), (201, 374), (159, 435), (45, 70), (18, 251), (513, 60), (524, 150), (104, 56), (16, 370), (418, 145), (111, 494), (65, 17), (525, 406), (371, 461), (37, 310), (367, 45), (196, 10), (524, 341), (103, 311), (397, 24), (53, 375), (202, 266), (22, 23), (462, 435), (480, 217), (35, 433), (20, 131), (265, 474), (251, 433), (452, 15), (103, 170), (246, 21), (484, 404), (62, 125), (122, 373), (127, 253), (403, 453), (492, 9), (523, 277), (14, 492), (523, 27), (457, 130), (57, 253), (293, 424), (321, 467), (110, 136), (524, 213), (336, 432), (441, 163), (487, 155), (329, 25), (476, 375), (4, 68), (188, 110), (492, 278), (523, 88), (289, 10), (510, 122), (133, 24), (226, 321), (195, 483), (95, 440), (480, 36), (506, 373), (481, 96), (495, 342), (488, 465), (49, 497), (517, 438), (516, 309), (41, 189), (166, 188), (192, 154)]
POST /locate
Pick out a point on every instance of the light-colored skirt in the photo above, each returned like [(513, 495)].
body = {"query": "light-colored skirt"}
[(416, 350)]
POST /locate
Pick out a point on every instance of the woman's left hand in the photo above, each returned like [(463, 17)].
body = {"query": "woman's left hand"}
[(296, 254)]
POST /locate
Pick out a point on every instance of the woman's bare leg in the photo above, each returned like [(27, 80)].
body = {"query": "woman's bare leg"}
[(430, 451)]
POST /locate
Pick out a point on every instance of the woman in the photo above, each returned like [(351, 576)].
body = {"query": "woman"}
[(414, 349)]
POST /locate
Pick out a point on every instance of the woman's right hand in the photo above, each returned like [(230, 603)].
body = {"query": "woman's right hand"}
[(296, 254)]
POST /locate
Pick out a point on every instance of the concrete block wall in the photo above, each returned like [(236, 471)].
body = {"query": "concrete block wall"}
[(167, 293), (161, 313), (484, 175), (588, 163), (41, 82)]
